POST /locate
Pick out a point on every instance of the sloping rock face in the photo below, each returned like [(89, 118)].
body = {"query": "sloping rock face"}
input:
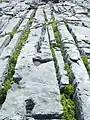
[(39, 72)]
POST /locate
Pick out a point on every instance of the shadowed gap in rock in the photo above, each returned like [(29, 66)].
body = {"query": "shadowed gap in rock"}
[(54, 1)]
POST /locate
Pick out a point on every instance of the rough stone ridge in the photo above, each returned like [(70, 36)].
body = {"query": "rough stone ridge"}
[(64, 80)]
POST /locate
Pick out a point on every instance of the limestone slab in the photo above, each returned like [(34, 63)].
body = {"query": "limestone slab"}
[(64, 80), (4, 41), (24, 24), (12, 25)]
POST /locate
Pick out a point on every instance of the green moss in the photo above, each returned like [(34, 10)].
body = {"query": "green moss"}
[(85, 60), (86, 63), (68, 90), (56, 33), (12, 33), (68, 103), (67, 97), (57, 36), (55, 63), (68, 108), (67, 68)]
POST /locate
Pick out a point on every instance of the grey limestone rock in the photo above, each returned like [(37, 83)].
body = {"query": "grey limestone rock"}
[(51, 35), (64, 80), (5, 55), (8, 50), (12, 25), (82, 97), (24, 24), (69, 44), (4, 41), (30, 13), (21, 14)]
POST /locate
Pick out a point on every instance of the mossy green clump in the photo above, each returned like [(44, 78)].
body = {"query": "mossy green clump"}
[(56, 33), (68, 103), (67, 68), (68, 108), (68, 90), (85, 60), (86, 63), (12, 34), (67, 100)]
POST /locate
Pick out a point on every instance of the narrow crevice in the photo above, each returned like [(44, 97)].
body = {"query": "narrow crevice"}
[(54, 1), (38, 60), (46, 116), (29, 107)]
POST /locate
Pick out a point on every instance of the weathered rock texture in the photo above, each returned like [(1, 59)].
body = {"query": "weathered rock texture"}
[(35, 93)]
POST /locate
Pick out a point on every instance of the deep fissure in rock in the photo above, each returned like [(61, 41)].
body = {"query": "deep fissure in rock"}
[(29, 107), (54, 1), (38, 61)]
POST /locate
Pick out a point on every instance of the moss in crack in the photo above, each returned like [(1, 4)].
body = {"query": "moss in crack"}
[(45, 16), (57, 36), (68, 108), (12, 33), (56, 33), (55, 63), (86, 63), (71, 32), (68, 91), (67, 100), (67, 68), (12, 62), (54, 57)]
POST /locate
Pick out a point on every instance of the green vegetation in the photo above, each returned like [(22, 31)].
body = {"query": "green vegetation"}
[(57, 36), (55, 63), (68, 103), (68, 108), (56, 33), (67, 100), (12, 34), (12, 62), (86, 63), (68, 91), (67, 68)]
